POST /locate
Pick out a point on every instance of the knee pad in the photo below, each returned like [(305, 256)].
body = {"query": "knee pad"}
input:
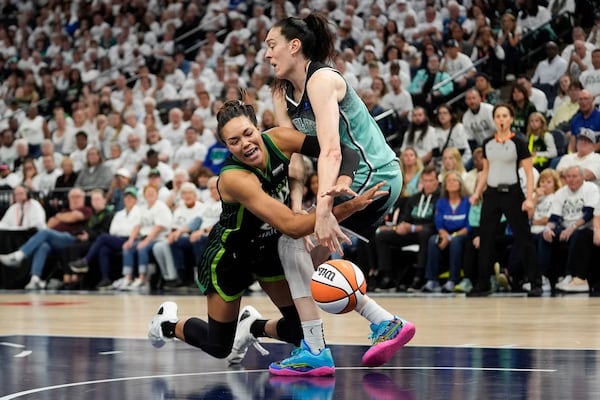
[(297, 265)]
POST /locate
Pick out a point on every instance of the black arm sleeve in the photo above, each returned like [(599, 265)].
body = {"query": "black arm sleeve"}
[(350, 158)]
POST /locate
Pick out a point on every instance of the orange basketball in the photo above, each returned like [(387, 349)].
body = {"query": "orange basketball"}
[(338, 286)]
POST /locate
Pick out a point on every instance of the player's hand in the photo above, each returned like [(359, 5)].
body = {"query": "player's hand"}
[(310, 242), (329, 234), (362, 201), (341, 188)]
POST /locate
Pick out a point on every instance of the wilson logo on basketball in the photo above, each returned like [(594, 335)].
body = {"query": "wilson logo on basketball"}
[(326, 273)]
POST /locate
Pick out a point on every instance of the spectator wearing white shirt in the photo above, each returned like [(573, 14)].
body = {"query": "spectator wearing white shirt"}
[(189, 209), (79, 156), (590, 78), (191, 155), (47, 149), (48, 174), (164, 91), (173, 75), (459, 66), (576, 34), (478, 120), (420, 135), (532, 16), (133, 155), (25, 213), (585, 157), (7, 177), (549, 70), (153, 165), (258, 14), (571, 211), (205, 135), (580, 60), (535, 95), (162, 146), (174, 130), (34, 129), (8, 149), (397, 98)]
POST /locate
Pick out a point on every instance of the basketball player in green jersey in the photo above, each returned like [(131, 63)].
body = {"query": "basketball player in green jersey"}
[(253, 185)]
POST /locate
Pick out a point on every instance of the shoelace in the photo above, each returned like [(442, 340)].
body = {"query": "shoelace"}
[(259, 347), (378, 335)]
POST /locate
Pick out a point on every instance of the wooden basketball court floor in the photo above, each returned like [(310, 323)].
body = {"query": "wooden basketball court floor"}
[(66, 345)]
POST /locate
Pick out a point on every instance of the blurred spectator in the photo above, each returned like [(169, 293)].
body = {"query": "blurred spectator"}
[(163, 147), (459, 66), (585, 157), (522, 106), (8, 150), (548, 72), (452, 225), (8, 179), (156, 219), (22, 149), (509, 37), (487, 46), (153, 163), (191, 154), (62, 231), (98, 224), (48, 175), (94, 175), (571, 210), (590, 78), (122, 234), (540, 141), (588, 116), (397, 99), (535, 95), (189, 209), (430, 86), (411, 223), (133, 155), (580, 60), (449, 132), (486, 91), (34, 129), (561, 92), (24, 213), (79, 155), (563, 114), (30, 175), (411, 167), (121, 180), (420, 135)]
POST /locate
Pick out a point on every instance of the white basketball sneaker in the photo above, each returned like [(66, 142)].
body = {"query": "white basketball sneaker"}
[(167, 312), (243, 337)]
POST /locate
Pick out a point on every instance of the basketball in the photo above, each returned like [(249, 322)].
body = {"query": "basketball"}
[(338, 286)]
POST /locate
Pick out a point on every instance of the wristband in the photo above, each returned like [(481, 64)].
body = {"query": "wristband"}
[(413, 228), (455, 234)]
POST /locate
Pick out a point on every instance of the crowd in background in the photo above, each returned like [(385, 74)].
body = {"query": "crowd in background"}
[(108, 118)]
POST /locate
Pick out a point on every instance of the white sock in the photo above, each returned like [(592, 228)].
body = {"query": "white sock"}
[(313, 335), (374, 313), (19, 255), (34, 278)]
